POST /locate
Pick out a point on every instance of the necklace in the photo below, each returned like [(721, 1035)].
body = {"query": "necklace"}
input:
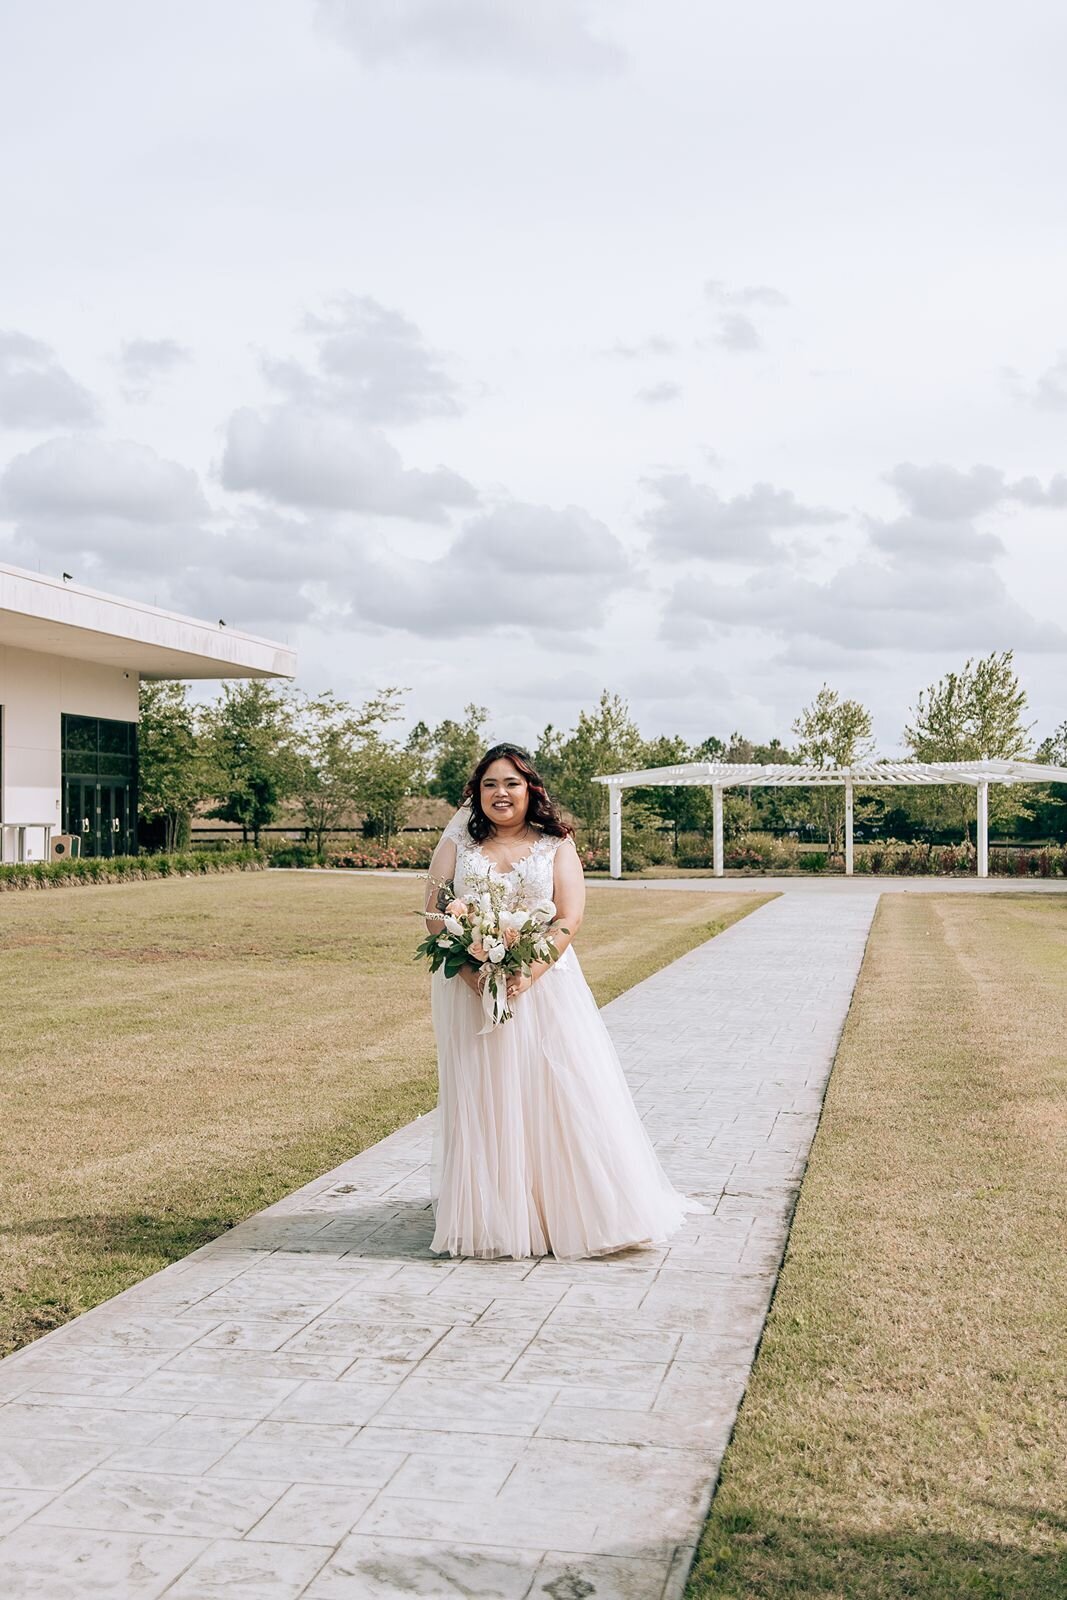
[(508, 860)]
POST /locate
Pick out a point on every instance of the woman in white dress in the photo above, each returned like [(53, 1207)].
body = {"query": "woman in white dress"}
[(538, 1147)]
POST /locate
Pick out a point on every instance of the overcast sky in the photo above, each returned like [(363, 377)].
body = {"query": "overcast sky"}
[(512, 349)]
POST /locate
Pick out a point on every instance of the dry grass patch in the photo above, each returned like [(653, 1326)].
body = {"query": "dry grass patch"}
[(176, 1055), (905, 1428)]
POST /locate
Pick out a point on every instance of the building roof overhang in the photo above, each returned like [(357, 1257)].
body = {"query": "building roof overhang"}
[(66, 619)]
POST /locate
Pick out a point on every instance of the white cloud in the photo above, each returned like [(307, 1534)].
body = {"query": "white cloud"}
[(942, 492), (755, 294), (528, 37), (104, 510), (656, 344), (36, 391), (80, 477), (737, 332), (1048, 391), (299, 459), (142, 362), (372, 363), (692, 519), (517, 566), (658, 394), (516, 537), (933, 539), (867, 606), (735, 329)]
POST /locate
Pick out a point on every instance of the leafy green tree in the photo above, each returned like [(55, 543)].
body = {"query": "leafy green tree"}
[(385, 774), (458, 747), (173, 775), (327, 737), (249, 744), (605, 740), (760, 807), (685, 808), (1050, 803), (968, 716), (833, 732), (420, 746)]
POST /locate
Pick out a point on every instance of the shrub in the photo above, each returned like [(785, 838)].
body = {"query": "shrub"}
[(812, 861), (296, 855), (127, 869)]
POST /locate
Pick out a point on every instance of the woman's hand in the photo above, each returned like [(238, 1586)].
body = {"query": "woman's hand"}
[(472, 977), (518, 983)]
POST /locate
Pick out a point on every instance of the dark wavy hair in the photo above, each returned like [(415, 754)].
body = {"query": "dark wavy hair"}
[(541, 810)]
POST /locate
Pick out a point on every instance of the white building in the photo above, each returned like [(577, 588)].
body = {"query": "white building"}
[(71, 660)]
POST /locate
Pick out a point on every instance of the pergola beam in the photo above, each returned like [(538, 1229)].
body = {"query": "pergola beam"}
[(720, 775), (848, 827), (716, 812), (615, 831), (983, 830)]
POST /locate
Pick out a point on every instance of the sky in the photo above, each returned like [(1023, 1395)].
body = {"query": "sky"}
[(510, 350)]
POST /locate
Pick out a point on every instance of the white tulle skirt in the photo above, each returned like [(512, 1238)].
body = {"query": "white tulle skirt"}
[(538, 1148)]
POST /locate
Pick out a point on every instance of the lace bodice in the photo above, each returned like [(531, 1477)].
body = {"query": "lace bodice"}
[(530, 877)]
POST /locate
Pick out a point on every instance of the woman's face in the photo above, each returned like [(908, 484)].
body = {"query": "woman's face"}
[(504, 793)]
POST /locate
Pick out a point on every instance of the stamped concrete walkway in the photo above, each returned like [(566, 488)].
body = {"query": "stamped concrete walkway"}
[(314, 1406)]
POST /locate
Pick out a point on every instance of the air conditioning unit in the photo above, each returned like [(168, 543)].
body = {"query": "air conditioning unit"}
[(64, 845)]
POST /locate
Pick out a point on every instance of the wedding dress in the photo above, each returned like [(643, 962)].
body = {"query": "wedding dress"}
[(538, 1147)]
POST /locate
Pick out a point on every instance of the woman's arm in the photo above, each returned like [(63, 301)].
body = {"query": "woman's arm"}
[(568, 892), (443, 870)]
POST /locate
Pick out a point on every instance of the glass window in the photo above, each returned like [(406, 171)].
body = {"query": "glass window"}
[(114, 737), (80, 733)]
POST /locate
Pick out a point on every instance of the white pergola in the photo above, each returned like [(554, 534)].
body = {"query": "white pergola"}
[(720, 775)]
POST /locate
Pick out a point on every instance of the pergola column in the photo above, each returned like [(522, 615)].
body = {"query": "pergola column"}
[(615, 830), (716, 815), (983, 828), (848, 827)]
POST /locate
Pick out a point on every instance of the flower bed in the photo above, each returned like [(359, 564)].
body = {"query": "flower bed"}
[(406, 853)]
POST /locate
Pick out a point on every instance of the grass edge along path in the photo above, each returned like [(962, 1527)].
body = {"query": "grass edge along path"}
[(904, 1431), (174, 1056)]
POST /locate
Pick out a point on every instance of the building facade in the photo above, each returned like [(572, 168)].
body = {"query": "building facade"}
[(71, 662)]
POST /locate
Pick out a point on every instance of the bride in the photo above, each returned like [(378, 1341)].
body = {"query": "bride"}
[(538, 1147)]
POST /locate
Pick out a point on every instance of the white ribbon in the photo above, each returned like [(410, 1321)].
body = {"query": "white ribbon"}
[(494, 999)]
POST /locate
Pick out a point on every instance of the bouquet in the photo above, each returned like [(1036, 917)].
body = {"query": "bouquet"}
[(494, 930)]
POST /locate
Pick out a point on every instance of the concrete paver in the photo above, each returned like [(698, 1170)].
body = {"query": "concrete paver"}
[(312, 1405)]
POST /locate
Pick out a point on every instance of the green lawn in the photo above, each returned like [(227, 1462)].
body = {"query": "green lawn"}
[(175, 1055), (905, 1428)]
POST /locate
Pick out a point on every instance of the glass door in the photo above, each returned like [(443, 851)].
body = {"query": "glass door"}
[(82, 813), (114, 819)]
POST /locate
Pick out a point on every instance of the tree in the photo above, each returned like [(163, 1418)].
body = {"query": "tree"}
[(384, 778), (832, 732), (172, 773), (972, 715), (1050, 803), (684, 808), (328, 733), (420, 746), (249, 745), (605, 740), (458, 747)]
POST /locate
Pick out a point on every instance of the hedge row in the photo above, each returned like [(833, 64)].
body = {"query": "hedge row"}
[(125, 869)]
